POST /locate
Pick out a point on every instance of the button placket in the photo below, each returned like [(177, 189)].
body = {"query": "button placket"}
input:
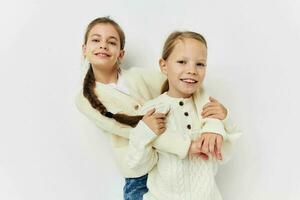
[(189, 126)]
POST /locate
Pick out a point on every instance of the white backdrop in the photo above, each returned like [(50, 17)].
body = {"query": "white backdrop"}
[(48, 150)]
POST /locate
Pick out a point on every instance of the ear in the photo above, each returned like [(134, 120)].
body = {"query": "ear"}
[(163, 66), (121, 55), (83, 50)]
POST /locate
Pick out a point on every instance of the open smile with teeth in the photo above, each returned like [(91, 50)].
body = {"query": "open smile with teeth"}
[(102, 55), (188, 80)]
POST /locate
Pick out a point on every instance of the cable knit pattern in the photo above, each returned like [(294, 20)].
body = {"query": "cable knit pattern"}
[(174, 178)]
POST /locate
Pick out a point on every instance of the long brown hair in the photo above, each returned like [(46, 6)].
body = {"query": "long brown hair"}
[(171, 42), (89, 83)]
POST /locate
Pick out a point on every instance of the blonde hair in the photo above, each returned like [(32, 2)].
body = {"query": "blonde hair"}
[(170, 44)]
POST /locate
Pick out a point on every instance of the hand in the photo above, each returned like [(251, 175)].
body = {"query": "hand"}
[(195, 150), (155, 121), (211, 143), (214, 109)]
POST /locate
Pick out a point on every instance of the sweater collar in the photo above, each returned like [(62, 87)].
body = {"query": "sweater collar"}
[(177, 101)]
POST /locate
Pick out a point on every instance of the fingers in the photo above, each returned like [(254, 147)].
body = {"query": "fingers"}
[(200, 142), (219, 141), (211, 144), (211, 111), (205, 145), (161, 130), (213, 99), (218, 110), (160, 120), (218, 147), (203, 156), (155, 121), (219, 116), (210, 104), (159, 115)]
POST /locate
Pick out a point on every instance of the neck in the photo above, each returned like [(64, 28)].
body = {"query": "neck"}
[(106, 75)]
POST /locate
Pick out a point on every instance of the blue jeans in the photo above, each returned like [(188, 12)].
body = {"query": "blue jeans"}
[(135, 188)]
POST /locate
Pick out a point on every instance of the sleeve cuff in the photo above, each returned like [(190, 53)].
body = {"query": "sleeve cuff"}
[(213, 126), (179, 146), (228, 123), (142, 134)]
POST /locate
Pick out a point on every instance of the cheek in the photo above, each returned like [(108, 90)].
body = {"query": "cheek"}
[(115, 52), (202, 73)]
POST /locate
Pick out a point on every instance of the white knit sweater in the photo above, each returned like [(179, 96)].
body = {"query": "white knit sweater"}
[(175, 178), (143, 85)]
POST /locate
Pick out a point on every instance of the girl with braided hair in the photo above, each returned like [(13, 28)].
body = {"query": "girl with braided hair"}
[(111, 97)]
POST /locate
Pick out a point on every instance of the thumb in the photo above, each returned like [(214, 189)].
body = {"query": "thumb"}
[(211, 99), (150, 112)]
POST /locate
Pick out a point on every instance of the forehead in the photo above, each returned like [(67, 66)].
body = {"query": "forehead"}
[(190, 47), (104, 30)]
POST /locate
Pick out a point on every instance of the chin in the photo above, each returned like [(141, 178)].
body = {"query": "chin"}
[(188, 91)]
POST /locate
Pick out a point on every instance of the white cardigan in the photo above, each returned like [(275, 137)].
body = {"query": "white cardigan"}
[(175, 178), (143, 85)]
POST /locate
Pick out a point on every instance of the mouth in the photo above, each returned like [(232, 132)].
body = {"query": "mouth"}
[(189, 80), (102, 55)]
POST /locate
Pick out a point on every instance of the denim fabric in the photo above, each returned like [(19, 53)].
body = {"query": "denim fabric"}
[(135, 188)]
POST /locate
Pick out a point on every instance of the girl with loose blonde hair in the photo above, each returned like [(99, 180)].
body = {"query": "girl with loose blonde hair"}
[(183, 61)]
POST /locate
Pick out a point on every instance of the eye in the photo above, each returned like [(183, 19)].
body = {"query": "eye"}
[(181, 62), (95, 40), (112, 43), (201, 64)]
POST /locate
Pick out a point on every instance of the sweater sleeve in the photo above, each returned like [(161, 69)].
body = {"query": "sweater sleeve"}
[(213, 126), (233, 133), (140, 151), (104, 123), (143, 140), (173, 142)]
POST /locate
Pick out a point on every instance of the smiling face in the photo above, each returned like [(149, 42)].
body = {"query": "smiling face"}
[(102, 48), (185, 67)]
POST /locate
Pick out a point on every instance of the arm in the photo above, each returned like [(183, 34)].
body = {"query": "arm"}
[(181, 143), (146, 83), (232, 135), (145, 136), (173, 142), (140, 151), (214, 109), (216, 144), (104, 123)]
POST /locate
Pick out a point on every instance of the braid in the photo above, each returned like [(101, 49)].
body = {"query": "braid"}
[(88, 91), (89, 85)]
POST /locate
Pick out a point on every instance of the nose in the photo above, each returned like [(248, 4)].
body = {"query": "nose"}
[(191, 69), (103, 45)]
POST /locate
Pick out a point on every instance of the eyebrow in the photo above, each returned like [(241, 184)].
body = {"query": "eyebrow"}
[(110, 37), (198, 60)]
